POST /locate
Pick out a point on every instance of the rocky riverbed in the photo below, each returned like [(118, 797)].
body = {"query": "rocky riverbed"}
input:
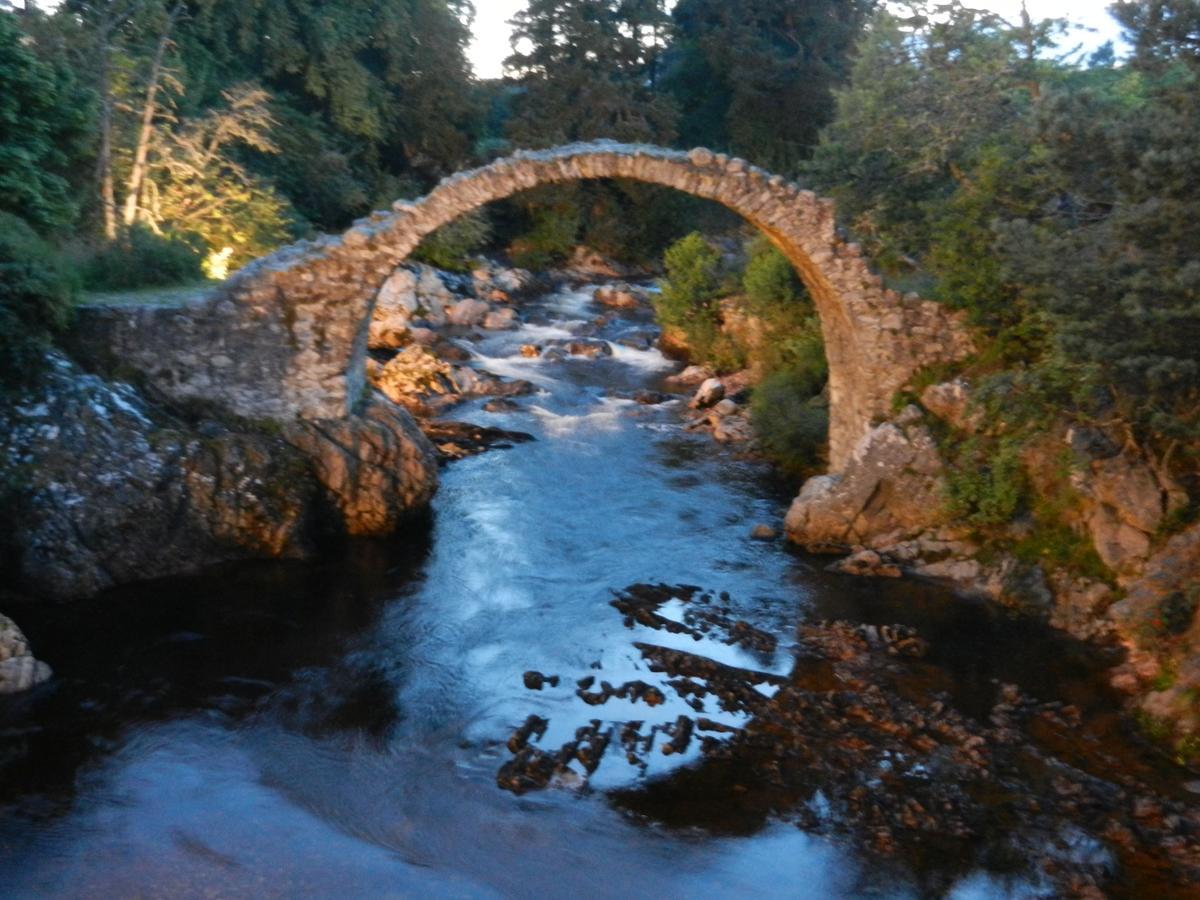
[(861, 740)]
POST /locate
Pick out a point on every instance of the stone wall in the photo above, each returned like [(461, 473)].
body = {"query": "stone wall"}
[(286, 336)]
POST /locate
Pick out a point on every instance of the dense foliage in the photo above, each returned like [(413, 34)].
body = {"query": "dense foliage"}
[(244, 125), (1053, 198), (704, 297), (43, 120), (755, 77), (141, 258), (36, 294)]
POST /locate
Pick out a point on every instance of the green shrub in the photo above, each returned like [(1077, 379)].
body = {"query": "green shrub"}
[(774, 294), (549, 241), (37, 290), (454, 245), (791, 419), (986, 483), (693, 283), (689, 299), (142, 258), (770, 280), (1058, 546)]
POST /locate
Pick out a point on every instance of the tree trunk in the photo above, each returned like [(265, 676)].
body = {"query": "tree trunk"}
[(108, 202), (141, 153)]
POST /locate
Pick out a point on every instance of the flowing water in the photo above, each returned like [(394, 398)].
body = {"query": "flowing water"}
[(336, 729)]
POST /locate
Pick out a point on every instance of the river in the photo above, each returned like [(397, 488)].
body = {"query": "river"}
[(336, 729)]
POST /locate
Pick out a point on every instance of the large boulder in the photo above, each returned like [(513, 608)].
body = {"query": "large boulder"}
[(468, 312), (410, 375), (107, 488), (892, 489), (377, 467), (710, 393), (412, 291)]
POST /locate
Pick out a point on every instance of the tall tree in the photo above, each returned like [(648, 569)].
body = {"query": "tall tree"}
[(150, 109), (587, 69), (1114, 258), (756, 77), (383, 83), (44, 124)]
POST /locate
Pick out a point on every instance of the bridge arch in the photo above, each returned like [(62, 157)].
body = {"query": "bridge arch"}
[(292, 326)]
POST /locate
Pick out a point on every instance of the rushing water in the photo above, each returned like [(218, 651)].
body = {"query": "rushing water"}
[(336, 729)]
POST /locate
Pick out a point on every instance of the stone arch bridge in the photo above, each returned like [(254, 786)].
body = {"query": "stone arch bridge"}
[(285, 337)]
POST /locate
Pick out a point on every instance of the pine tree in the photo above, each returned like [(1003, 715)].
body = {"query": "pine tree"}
[(587, 69), (756, 77)]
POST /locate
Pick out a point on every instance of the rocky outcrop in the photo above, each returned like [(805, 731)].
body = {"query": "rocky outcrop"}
[(422, 296), (103, 486), (412, 291), (421, 381), (887, 509), (376, 467), (1160, 622), (891, 490)]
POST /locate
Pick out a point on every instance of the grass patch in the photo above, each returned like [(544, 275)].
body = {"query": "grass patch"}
[(177, 295), (1058, 546)]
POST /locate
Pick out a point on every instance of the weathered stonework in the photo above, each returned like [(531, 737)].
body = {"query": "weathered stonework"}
[(286, 336)]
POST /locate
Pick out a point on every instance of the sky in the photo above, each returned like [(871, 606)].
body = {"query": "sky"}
[(491, 32)]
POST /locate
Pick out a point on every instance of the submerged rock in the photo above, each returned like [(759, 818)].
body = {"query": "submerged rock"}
[(591, 348), (501, 405), (457, 440), (862, 740), (619, 296)]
